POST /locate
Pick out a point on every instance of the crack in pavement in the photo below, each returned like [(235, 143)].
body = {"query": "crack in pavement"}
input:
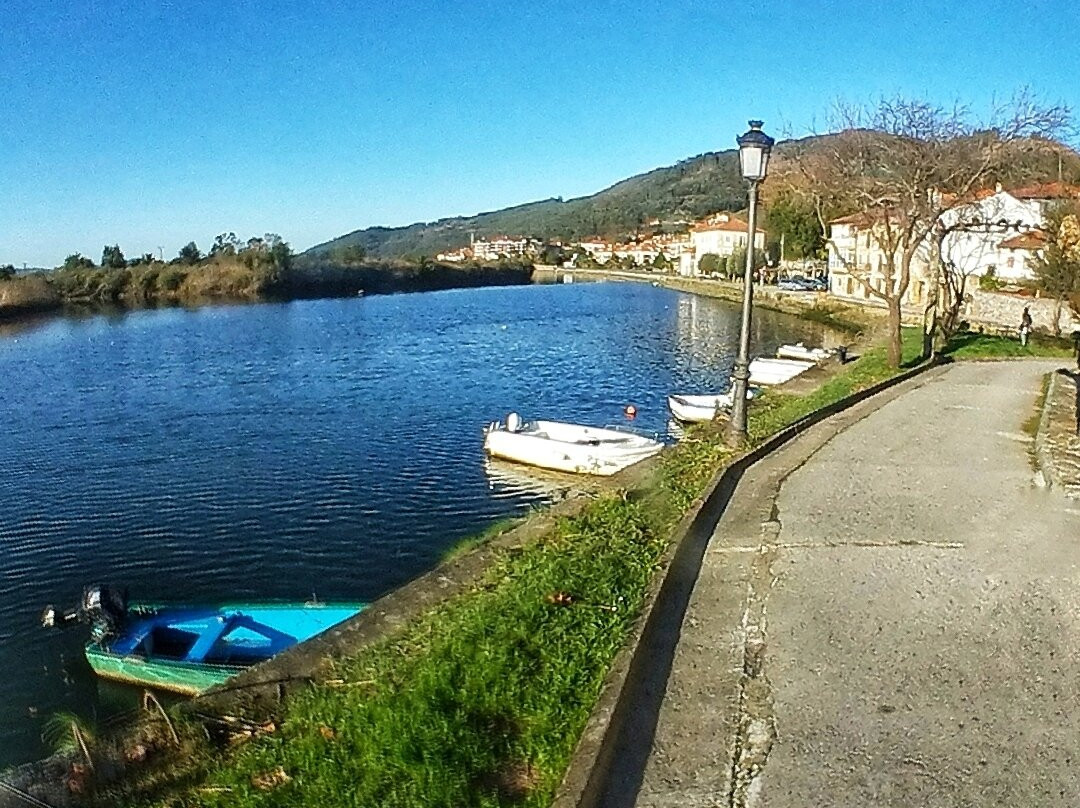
[(756, 727), (827, 543)]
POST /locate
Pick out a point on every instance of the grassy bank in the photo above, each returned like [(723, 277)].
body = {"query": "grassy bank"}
[(482, 700), (231, 278), (971, 345)]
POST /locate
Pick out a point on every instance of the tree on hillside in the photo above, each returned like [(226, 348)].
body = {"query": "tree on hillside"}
[(113, 257), (225, 244), (900, 165), (189, 254), (77, 261), (349, 254), (1057, 270), (7, 271)]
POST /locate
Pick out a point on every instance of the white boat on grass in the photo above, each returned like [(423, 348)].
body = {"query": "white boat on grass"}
[(799, 351), (567, 447), (696, 409), (776, 371)]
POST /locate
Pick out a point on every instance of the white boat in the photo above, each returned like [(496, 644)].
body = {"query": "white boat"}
[(776, 371), (696, 409), (801, 352), (567, 447)]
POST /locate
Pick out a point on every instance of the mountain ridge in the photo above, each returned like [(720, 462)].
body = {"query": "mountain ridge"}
[(664, 197)]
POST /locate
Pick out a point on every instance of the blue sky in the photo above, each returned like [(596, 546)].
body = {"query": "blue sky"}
[(150, 124)]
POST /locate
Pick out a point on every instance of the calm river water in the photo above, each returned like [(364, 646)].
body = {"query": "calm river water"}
[(275, 451)]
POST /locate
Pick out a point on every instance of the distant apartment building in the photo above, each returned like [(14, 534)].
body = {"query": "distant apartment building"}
[(494, 248)]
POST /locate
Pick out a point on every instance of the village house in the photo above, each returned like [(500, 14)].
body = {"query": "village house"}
[(721, 234), (998, 232), (455, 256)]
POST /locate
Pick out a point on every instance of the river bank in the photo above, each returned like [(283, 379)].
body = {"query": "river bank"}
[(157, 285), (814, 306)]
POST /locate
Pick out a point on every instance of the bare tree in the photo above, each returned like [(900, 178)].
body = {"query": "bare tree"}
[(899, 165)]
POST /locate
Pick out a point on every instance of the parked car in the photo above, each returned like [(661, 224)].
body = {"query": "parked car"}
[(799, 283)]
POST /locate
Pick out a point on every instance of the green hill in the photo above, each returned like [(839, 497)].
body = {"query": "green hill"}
[(680, 193), (673, 196)]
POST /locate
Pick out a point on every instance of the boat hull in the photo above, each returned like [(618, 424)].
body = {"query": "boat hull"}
[(776, 371), (570, 447), (185, 678), (801, 352), (696, 409), (190, 649)]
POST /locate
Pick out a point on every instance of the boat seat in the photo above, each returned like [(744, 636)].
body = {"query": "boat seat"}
[(206, 640)]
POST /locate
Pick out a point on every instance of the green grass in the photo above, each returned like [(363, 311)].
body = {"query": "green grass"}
[(971, 345), (482, 700), (496, 528)]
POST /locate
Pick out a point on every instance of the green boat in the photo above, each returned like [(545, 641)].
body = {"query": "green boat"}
[(189, 649)]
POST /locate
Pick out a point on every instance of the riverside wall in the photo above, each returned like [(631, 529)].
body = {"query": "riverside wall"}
[(1002, 311)]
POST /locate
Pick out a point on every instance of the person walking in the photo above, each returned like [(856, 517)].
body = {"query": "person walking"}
[(1025, 326)]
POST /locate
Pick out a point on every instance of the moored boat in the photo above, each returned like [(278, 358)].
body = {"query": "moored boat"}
[(765, 371), (698, 408), (799, 351), (567, 447), (189, 649)]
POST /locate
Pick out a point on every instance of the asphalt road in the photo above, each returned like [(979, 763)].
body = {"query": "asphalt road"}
[(887, 615)]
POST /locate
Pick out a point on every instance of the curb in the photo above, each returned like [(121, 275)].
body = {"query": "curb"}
[(1049, 466), (658, 626)]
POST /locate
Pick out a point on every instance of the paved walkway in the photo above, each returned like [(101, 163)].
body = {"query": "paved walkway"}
[(887, 615)]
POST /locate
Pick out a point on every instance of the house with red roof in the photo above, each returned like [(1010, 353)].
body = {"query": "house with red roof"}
[(997, 232)]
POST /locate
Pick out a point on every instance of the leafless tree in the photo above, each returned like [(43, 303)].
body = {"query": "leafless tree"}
[(900, 164)]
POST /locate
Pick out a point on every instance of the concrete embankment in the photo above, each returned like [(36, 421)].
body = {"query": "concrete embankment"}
[(818, 306)]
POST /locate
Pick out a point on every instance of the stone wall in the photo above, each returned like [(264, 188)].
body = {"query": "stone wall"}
[(1002, 311)]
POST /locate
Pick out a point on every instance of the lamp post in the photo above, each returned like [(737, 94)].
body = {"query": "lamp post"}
[(754, 149)]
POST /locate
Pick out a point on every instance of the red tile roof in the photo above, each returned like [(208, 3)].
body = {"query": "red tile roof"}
[(1047, 190), (723, 221), (860, 219), (1031, 240)]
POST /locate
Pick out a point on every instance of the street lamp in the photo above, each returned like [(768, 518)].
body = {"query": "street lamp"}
[(754, 149)]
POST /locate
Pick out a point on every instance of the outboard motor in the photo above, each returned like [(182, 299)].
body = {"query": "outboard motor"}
[(513, 422), (103, 607)]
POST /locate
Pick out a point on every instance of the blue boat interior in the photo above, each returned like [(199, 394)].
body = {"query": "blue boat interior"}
[(222, 636)]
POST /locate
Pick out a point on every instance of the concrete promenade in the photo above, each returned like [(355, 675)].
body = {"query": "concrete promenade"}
[(888, 614)]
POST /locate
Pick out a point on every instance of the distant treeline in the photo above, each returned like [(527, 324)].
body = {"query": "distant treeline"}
[(263, 268)]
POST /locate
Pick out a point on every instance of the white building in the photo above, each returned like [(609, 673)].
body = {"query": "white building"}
[(997, 230), (494, 248), (722, 234), (1001, 231), (856, 256)]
